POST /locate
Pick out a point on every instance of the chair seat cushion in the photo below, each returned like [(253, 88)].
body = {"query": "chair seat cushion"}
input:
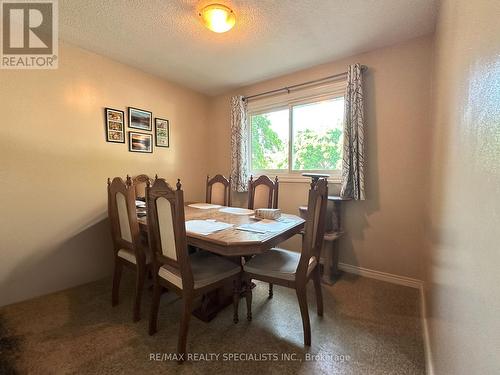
[(207, 269), (129, 255), (278, 263)]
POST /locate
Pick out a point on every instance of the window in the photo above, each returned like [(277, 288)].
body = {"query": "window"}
[(299, 136), (269, 140)]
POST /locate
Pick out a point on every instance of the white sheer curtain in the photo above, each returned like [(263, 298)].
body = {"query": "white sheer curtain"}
[(239, 144), (353, 160)]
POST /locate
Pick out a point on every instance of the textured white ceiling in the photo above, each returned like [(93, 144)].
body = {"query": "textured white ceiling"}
[(270, 38)]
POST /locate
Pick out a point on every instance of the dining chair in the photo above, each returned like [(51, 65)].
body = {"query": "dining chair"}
[(139, 183), (129, 247), (262, 192), (291, 269), (219, 190), (188, 275)]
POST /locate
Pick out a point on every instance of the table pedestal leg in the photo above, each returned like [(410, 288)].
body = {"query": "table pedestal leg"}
[(214, 301)]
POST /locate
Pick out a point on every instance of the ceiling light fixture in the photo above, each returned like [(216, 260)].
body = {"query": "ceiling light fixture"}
[(218, 18)]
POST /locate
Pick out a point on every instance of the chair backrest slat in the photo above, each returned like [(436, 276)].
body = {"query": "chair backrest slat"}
[(262, 192), (166, 216), (167, 230), (140, 182), (123, 216), (315, 225), (123, 220), (219, 190)]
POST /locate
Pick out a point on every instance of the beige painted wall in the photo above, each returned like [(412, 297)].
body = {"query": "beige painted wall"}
[(463, 261), (54, 162), (384, 233)]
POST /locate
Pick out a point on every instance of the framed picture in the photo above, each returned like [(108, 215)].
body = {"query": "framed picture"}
[(140, 119), (115, 125), (162, 134), (140, 142)]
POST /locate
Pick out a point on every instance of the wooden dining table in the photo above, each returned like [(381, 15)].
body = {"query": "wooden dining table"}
[(233, 243)]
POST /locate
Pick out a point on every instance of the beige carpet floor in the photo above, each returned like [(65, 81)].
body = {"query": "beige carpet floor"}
[(369, 327)]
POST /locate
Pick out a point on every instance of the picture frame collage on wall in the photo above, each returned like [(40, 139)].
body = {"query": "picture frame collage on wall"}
[(141, 121)]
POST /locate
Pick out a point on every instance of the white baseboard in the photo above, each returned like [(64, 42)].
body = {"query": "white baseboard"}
[(429, 369), (405, 281), (383, 276)]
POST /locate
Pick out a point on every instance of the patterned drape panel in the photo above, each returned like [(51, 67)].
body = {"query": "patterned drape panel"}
[(353, 161), (239, 144)]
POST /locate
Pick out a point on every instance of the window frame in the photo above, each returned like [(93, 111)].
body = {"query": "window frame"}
[(312, 95)]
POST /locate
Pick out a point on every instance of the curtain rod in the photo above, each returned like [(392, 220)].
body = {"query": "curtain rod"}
[(288, 88)]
